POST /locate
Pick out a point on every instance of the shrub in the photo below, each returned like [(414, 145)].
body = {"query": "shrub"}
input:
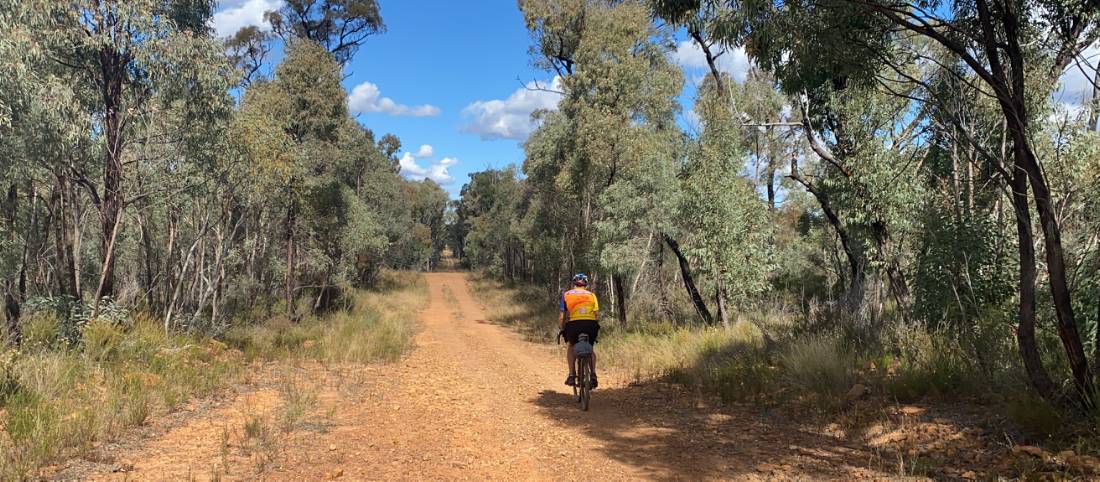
[(102, 339), (928, 364), (819, 365), (1035, 416), (9, 379), (41, 330)]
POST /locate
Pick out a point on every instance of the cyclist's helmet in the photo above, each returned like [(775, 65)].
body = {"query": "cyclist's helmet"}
[(580, 279)]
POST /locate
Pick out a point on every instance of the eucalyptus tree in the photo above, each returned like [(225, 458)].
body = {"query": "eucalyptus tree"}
[(615, 122), (730, 225), (136, 56), (488, 237), (293, 123), (1017, 50), (248, 49), (340, 26), (1011, 52)]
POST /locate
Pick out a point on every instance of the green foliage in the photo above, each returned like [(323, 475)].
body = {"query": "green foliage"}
[(340, 26), (960, 273), (730, 225)]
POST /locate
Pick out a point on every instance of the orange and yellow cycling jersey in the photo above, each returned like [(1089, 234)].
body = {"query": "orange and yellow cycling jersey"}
[(579, 304)]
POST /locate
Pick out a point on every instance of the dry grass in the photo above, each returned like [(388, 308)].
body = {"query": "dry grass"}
[(379, 326), (60, 401), (527, 309)]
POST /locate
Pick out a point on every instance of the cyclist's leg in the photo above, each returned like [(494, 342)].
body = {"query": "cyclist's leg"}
[(570, 359), (594, 335), (593, 332)]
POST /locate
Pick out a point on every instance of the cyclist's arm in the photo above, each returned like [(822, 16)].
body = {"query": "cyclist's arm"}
[(561, 312)]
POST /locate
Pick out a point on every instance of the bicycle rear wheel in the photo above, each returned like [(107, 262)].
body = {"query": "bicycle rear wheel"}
[(577, 381), (584, 379)]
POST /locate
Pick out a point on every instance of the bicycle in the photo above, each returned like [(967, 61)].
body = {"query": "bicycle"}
[(583, 355)]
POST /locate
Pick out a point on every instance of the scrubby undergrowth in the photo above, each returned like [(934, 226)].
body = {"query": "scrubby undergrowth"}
[(824, 369), (58, 399)]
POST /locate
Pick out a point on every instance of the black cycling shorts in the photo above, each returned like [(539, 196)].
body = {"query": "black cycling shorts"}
[(574, 328)]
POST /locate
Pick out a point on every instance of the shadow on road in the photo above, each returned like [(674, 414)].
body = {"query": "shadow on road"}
[(660, 429)]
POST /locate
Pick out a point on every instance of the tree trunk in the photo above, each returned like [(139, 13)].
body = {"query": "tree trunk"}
[(107, 271), (12, 307), (1055, 258), (720, 301), (771, 185), (290, 279), (148, 262), (1094, 109), (111, 63), (620, 297), (1025, 330), (689, 283), (67, 278)]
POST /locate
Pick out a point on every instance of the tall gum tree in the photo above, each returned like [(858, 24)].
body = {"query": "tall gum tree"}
[(136, 57)]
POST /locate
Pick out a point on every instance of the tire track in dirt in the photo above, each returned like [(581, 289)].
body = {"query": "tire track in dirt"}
[(474, 401)]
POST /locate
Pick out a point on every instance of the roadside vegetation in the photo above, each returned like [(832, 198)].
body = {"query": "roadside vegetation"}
[(176, 205), (60, 398), (830, 377), (887, 201)]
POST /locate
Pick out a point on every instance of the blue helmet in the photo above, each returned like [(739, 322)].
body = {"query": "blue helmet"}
[(580, 279)]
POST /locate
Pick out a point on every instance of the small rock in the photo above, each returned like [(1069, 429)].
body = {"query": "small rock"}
[(857, 391), (969, 475), (332, 447)]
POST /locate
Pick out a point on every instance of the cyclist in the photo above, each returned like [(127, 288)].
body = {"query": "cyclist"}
[(579, 312)]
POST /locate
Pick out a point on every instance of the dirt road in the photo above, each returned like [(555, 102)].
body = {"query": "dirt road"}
[(474, 401)]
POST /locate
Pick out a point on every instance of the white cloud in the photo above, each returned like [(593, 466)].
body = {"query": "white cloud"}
[(236, 14), (425, 151), (1075, 85), (437, 171), (689, 56), (366, 97), (511, 118), (693, 121)]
